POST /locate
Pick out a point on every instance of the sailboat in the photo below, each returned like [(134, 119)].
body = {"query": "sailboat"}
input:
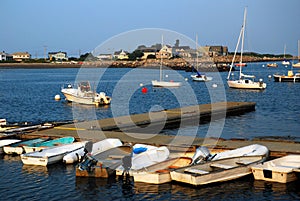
[(297, 65), (162, 83), (244, 81), (285, 62), (198, 76)]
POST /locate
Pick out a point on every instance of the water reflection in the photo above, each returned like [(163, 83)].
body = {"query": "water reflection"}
[(35, 169)]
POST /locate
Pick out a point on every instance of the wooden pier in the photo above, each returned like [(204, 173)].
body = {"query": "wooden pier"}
[(141, 128)]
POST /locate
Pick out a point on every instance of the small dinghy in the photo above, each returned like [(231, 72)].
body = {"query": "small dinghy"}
[(7, 142), (98, 147), (144, 156), (50, 155), (49, 143), (202, 153), (159, 173), (103, 164), (17, 148), (282, 170), (216, 171)]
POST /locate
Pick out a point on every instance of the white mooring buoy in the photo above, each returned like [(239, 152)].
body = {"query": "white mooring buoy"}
[(57, 97), (214, 85)]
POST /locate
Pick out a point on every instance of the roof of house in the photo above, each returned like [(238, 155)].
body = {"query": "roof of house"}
[(20, 53), (57, 52)]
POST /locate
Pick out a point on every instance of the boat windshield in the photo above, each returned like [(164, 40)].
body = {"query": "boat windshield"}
[(84, 86)]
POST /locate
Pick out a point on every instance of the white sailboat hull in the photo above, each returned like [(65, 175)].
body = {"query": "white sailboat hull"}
[(285, 63), (156, 83), (246, 84), (201, 78)]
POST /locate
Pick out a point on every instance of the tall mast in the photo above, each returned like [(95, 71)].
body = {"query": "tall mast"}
[(243, 36), (161, 54), (197, 51), (298, 50)]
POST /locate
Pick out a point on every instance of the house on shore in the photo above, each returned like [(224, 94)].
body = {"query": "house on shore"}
[(106, 57), (121, 55), (57, 56), (166, 52), (21, 56), (215, 50)]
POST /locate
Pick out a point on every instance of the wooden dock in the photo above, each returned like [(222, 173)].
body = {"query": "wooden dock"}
[(127, 128)]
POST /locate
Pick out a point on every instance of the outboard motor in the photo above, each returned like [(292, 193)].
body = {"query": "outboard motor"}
[(88, 163), (202, 154)]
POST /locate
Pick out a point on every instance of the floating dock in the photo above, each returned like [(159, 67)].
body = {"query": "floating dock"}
[(141, 128)]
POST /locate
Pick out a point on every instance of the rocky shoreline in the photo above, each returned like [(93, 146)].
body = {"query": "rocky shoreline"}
[(218, 63)]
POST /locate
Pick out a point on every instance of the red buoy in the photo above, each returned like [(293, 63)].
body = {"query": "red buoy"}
[(144, 90)]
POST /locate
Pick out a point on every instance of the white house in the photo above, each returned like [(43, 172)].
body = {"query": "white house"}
[(21, 56), (2, 56), (166, 52), (121, 55), (105, 57), (57, 56)]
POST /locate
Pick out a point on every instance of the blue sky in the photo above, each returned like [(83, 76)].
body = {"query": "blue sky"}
[(80, 26)]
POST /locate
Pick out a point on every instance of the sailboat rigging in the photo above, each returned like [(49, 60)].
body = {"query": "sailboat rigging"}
[(285, 61), (297, 65), (244, 81), (162, 83), (198, 76)]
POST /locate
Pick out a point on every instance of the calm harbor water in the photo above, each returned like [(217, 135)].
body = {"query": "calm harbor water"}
[(27, 95)]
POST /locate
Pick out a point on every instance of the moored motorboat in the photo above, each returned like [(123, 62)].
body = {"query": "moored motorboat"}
[(49, 143), (50, 155), (216, 171), (274, 65), (282, 170), (83, 94), (17, 148), (290, 77), (98, 147)]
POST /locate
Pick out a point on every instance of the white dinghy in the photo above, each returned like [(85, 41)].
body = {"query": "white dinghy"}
[(98, 147), (282, 170), (7, 142), (144, 156), (203, 154), (51, 155)]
